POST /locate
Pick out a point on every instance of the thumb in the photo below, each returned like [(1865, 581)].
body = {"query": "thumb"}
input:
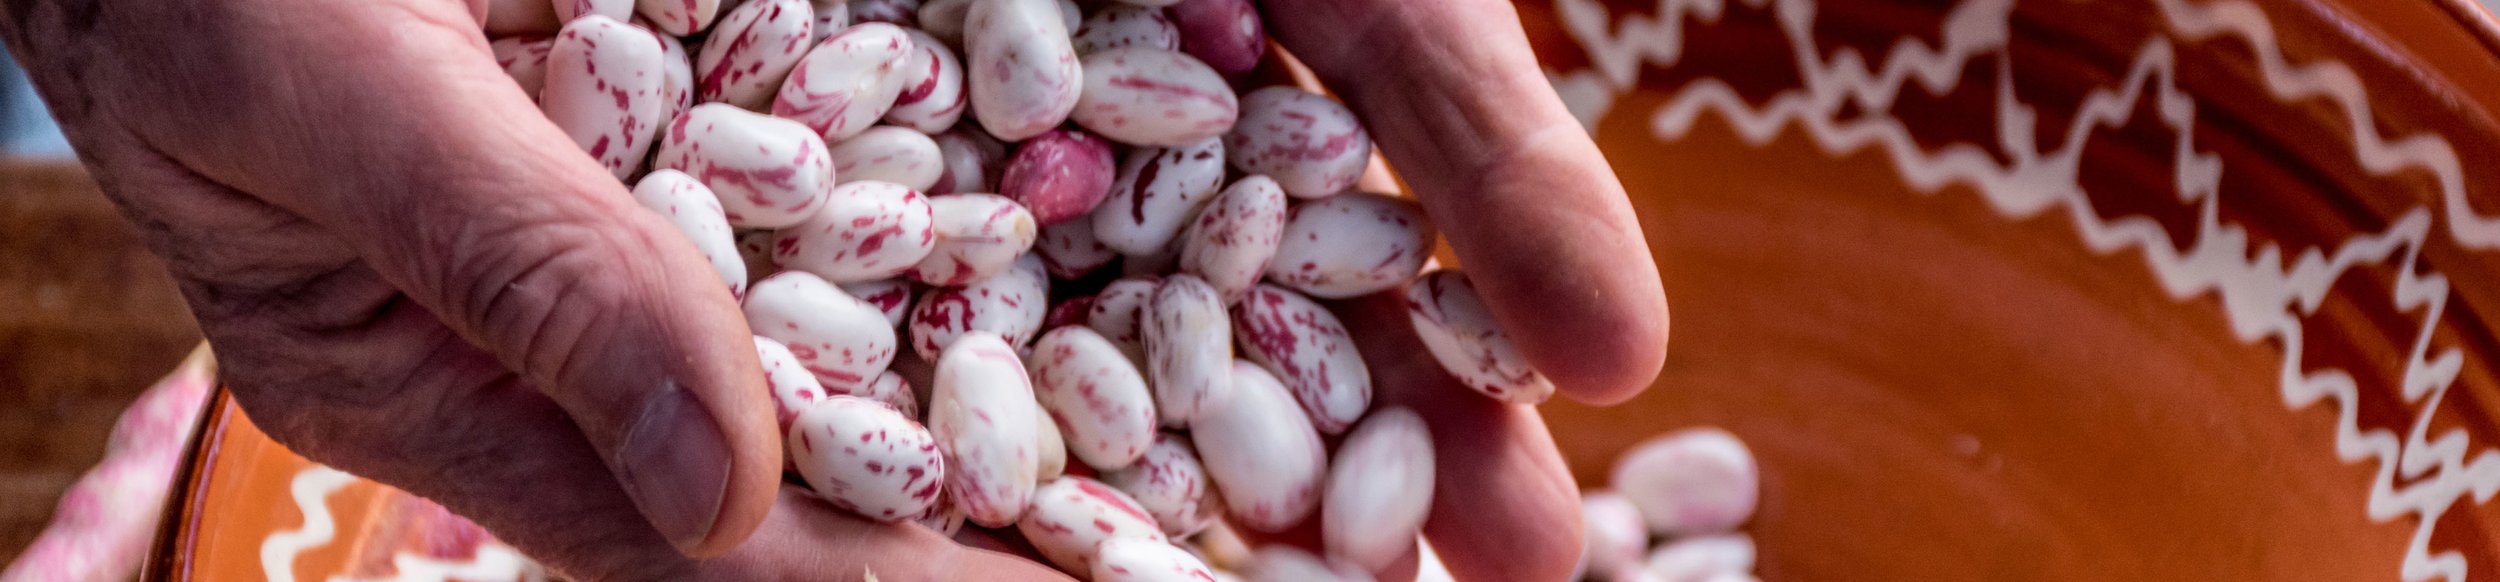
[(388, 123)]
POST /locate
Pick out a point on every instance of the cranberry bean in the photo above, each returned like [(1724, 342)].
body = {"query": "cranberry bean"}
[(846, 83), (844, 341), (1010, 304), (1226, 34), (973, 161), (1071, 251), (892, 296), (1189, 343), (1025, 75), (1712, 558), (888, 154), (864, 232), (1135, 560), (867, 459), (1266, 460), (1379, 489), (604, 88), (1096, 396), (1690, 482), (768, 172), (933, 97), (1233, 239), (751, 49), (1059, 175), (794, 389), (1308, 142), (679, 17), (696, 213), (1156, 193), (1071, 516), (524, 58), (983, 414), (1354, 244), (1126, 25), (1171, 484), (1300, 341), (1119, 314), (1154, 97), (1459, 330), (978, 235)]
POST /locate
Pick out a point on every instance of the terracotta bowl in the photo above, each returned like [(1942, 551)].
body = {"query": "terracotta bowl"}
[(2121, 290)]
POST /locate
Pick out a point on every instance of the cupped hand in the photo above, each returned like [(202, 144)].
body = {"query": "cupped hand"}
[(411, 275)]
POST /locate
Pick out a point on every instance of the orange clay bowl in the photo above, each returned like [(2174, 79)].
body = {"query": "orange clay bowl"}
[(2113, 290)]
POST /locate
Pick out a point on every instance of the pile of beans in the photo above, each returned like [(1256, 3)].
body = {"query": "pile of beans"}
[(891, 185), (1691, 489)]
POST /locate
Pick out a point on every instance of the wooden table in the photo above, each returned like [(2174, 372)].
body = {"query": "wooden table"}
[(88, 318)]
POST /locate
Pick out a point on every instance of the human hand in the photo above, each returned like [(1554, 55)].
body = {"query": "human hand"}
[(411, 275)]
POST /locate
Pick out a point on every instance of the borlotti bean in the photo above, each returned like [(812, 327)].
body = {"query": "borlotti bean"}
[(892, 296), (1171, 484), (983, 414), (696, 213), (568, 11), (1357, 243), (1059, 175), (1095, 395), (888, 154), (844, 341), (864, 231), (1011, 304), (768, 172), (1690, 482), (1069, 312), (1379, 489), (973, 161), (1153, 97), (605, 89), (1226, 34), (1072, 516), (1189, 347), (1135, 560), (1235, 236), (847, 82), (1455, 325), (1156, 193), (1023, 71), (794, 389), (1119, 313), (1615, 537), (679, 17), (1070, 250), (933, 96), (525, 60), (751, 49), (1125, 25), (1307, 348), (1265, 457), (978, 235), (867, 458), (1308, 142)]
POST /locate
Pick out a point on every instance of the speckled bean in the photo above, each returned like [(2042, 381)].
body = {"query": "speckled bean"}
[(1379, 489), (1134, 560), (1265, 459), (844, 341), (1226, 34), (676, 79), (524, 58), (1059, 175), (1119, 314), (1700, 559), (1072, 515), (983, 414), (751, 49), (933, 97), (1690, 482), (794, 389), (1010, 304), (978, 235), (888, 154), (1069, 311), (1023, 73), (1156, 193), (1353, 244), (1171, 484), (865, 231), (973, 161), (944, 516), (846, 83), (768, 172), (1459, 330), (892, 296), (1233, 239), (1308, 142), (1153, 97), (1070, 250), (867, 458), (696, 213), (604, 89), (1096, 396), (679, 17), (1189, 345), (1285, 563), (1126, 25), (1304, 345), (1614, 535), (568, 11)]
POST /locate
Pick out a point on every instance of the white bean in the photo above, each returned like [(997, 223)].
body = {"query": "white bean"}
[(933, 96), (1010, 304), (1171, 483), (1134, 560), (1123, 25), (978, 235), (1024, 74), (1233, 239), (1189, 344), (1071, 516), (696, 213), (1354, 244), (983, 414), (844, 341), (1156, 193), (1309, 143), (604, 88), (847, 82), (1266, 460), (768, 172), (1095, 395), (1379, 489), (865, 231), (888, 154), (1154, 97), (1690, 482), (1307, 348), (867, 459), (1459, 330), (751, 49)]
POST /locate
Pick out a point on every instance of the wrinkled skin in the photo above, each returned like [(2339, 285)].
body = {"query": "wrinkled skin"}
[(410, 275)]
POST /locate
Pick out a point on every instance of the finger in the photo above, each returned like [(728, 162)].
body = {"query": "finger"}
[(818, 542), (1504, 507), (1453, 96), (389, 124)]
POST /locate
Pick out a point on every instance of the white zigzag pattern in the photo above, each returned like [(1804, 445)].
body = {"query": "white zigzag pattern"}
[(2262, 299)]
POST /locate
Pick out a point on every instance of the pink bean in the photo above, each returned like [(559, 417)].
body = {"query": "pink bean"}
[(1189, 345), (1354, 244), (973, 161), (1308, 142), (1134, 560), (679, 17), (751, 49), (844, 341), (1305, 346), (1171, 484), (867, 459), (1010, 304), (1459, 330), (1379, 489), (1154, 97), (892, 296), (978, 235), (888, 154), (1060, 175), (1127, 25), (1071, 516), (768, 172), (524, 58), (568, 11), (1226, 34), (1233, 239), (1026, 76), (1266, 460), (1098, 399), (933, 97), (983, 414), (605, 89), (1156, 193), (697, 214), (1071, 251), (846, 83), (1119, 314), (1690, 482), (865, 231)]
